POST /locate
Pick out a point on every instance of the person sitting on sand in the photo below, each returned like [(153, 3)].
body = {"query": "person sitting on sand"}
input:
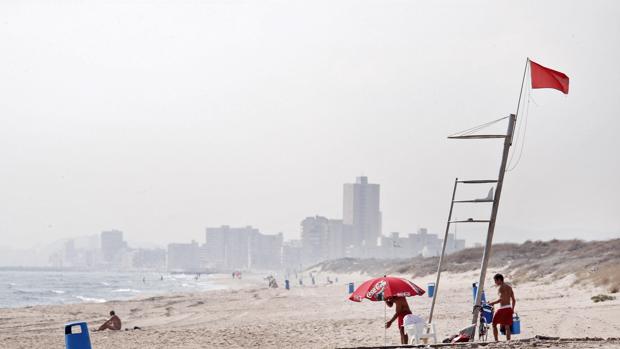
[(503, 316), (114, 323), (402, 309)]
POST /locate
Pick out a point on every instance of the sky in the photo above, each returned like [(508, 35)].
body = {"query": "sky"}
[(160, 118)]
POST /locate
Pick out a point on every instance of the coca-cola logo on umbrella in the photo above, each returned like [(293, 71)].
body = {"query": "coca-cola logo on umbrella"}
[(378, 287)]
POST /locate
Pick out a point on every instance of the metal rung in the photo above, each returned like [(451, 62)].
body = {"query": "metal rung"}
[(479, 181), (472, 201), (477, 136), (472, 221)]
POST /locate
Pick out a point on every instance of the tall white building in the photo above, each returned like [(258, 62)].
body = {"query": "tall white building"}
[(361, 211)]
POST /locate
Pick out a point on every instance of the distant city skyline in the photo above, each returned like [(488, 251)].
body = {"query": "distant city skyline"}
[(160, 120), (356, 234), (349, 189)]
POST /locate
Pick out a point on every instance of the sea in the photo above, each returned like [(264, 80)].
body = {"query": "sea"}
[(27, 288)]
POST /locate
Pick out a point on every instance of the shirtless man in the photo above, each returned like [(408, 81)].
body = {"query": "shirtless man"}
[(507, 303), (114, 323), (402, 309)]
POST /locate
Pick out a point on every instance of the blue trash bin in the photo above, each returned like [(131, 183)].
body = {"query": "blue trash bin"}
[(351, 287), (79, 340), (287, 285), (431, 289), (474, 288)]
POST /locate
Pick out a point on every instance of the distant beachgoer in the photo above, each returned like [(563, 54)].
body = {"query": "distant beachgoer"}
[(507, 303), (402, 309), (114, 323), (161, 278), (143, 280)]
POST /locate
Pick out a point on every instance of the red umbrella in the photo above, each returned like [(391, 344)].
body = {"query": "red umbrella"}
[(386, 287)]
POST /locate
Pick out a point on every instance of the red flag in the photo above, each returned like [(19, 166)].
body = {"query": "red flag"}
[(543, 77)]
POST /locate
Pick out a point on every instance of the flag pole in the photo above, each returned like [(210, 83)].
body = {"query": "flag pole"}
[(527, 61)]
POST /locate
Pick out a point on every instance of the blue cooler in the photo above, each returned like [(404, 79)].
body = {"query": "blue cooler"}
[(351, 287), (487, 313), (515, 328), (474, 288), (516, 324), (431, 289), (79, 340)]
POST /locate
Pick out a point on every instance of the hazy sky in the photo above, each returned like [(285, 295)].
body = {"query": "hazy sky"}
[(160, 118)]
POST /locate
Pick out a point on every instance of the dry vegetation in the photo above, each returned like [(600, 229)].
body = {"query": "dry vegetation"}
[(596, 262)]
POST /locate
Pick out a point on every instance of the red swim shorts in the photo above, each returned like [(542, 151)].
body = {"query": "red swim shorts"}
[(503, 317)]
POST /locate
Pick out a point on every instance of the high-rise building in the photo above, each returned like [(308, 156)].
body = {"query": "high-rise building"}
[(362, 212), (112, 245)]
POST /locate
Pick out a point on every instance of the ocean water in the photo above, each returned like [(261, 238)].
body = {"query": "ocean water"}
[(26, 288)]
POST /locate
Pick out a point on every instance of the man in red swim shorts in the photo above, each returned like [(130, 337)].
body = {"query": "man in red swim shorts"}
[(402, 309), (507, 303)]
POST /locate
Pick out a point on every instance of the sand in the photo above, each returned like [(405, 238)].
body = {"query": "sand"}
[(250, 315)]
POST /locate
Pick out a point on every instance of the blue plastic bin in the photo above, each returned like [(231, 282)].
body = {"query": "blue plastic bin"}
[(351, 287), (431, 289), (79, 340), (287, 284)]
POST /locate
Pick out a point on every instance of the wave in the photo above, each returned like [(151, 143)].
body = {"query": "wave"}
[(57, 291), (127, 290), (90, 300), (21, 291)]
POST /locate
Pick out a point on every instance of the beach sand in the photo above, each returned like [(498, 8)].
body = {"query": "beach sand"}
[(250, 315)]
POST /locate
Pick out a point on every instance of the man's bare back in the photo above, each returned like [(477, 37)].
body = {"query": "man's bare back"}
[(505, 294), (402, 307)]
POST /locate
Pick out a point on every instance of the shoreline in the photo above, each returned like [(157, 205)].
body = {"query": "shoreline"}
[(59, 295)]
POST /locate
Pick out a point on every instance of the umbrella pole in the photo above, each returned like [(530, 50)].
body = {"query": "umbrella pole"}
[(384, 321)]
